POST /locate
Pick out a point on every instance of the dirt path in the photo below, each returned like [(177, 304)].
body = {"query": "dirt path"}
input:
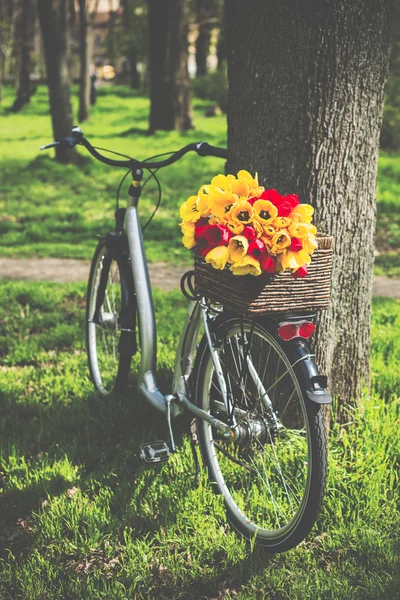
[(162, 275)]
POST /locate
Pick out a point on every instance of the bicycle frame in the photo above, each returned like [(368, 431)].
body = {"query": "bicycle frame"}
[(147, 384)]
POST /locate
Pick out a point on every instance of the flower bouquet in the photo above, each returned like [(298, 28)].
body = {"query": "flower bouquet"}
[(236, 228), (234, 222)]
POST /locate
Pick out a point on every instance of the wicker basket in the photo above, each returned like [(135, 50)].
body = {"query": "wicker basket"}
[(264, 294)]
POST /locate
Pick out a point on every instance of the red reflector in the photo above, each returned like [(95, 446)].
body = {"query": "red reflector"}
[(288, 331), (306, 330)]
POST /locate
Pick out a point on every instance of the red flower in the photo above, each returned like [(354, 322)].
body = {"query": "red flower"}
[(256, 249), (249, 232), (252, 200), (271, 195), (296, 245), (301, 272), (205, 251), (284, 204), (214, 235), (268, 264)]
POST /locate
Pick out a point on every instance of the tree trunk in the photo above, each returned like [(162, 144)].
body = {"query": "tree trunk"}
[(306, 97), (168, 62), (84, 53), (221, 48), (8, 11), (133, 68), (25, 43), (203, 15), (53, 17)]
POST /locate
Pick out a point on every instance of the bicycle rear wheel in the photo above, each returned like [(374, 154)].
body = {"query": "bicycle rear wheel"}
[(273, 476), (108, 299)]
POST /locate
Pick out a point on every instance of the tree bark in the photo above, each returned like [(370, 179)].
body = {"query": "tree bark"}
[(305, 108), (168, 63), (53, 17), (84, 53)]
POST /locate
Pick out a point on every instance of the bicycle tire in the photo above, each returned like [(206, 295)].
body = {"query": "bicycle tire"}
[(108, 366), (273, 480)]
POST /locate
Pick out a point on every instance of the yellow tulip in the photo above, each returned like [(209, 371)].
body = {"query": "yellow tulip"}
[(222, 181), (255, 192), (247, 266), (265, 211), (234, 227), (298, 230), (237, 246), (204, 201), (221, 202), (269, 230), (187, 228), (189, 210), (188, 241), (241, 213), (281, 222), (267, 241), (310, 244), (293, 260), (302, 212), (281, 240), (240, 188), (218, 257), (258, 228)]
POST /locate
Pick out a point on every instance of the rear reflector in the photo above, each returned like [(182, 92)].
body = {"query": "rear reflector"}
[(289, 331)]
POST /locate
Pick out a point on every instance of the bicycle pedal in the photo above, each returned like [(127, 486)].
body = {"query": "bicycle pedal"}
[(154, 452)]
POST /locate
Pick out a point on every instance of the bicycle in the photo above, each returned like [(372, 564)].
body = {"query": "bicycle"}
[(252, 384)]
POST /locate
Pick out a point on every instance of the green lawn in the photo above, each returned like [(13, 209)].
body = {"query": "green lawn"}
[(48, 209), (81, 519)]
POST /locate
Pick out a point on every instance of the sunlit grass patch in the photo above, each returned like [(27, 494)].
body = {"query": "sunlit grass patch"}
[(81, 518)]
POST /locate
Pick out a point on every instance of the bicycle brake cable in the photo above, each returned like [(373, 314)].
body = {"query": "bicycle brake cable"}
[(153, 174)]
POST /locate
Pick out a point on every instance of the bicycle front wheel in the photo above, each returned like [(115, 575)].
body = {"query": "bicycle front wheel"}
[(273, 475), (107, 299)]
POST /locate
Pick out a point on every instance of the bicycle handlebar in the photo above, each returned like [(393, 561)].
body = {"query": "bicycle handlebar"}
[(202, 149)]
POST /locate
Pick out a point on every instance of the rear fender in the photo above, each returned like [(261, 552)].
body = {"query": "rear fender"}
[(304, 365)]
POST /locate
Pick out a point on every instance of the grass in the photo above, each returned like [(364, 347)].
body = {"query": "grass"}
[(48, 209), (387, 261), (80, 518)]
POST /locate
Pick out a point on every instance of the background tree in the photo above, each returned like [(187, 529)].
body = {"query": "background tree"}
[(9, 10), (134, 46), (87, 11), (390, 134), (205, 11), (306, 97), (24, 43), (168, 64), (54, 24)]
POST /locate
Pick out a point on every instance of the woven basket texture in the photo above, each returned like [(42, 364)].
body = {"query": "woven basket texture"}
[(249, 295)]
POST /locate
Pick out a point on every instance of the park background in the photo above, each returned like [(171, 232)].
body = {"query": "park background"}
[(79, 517)]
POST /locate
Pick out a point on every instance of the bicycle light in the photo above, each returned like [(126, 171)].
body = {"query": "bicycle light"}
[(301, 329)]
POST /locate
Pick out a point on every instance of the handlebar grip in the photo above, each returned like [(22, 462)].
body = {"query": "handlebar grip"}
[(205, 149), (49, 146), (67, 142)]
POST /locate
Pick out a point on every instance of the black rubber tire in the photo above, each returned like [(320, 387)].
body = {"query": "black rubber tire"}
[(214, 455), (118, 379)]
